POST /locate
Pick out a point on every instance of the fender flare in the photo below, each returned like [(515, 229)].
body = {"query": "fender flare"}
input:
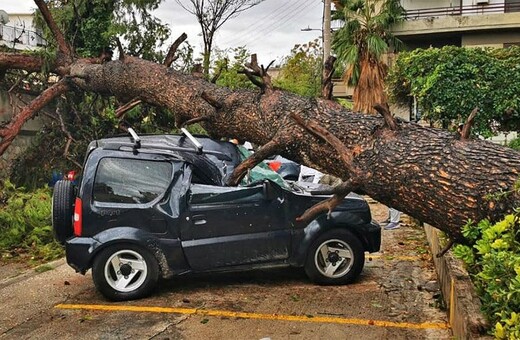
[(135, 236)]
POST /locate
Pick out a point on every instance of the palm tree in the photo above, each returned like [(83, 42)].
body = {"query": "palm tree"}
[(361, 44)]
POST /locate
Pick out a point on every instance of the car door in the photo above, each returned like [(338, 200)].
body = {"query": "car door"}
[(230, 226)]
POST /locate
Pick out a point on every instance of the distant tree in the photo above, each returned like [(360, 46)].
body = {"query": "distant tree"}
[(93, 26), (361, 43), (228, 67), (300, 72), (211, 15)]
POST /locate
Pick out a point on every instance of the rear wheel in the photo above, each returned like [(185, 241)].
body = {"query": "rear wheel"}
[(125, 272), (336, 257), (62, 210)]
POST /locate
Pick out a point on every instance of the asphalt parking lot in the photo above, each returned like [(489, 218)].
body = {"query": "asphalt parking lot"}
[(395, 298)]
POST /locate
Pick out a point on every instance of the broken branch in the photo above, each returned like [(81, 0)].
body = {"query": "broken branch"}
[(120, 111), (387, 116), (253, 70), (346, 154), (340, 191), (171, 57), (466, 130), (326, 83), (268, 149)]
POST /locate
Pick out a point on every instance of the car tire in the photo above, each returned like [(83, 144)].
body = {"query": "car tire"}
[(125, 272), (335, 258), (62, 210)]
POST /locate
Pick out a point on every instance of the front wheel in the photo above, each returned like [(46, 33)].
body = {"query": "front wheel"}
[(125, 272), (336, 257)]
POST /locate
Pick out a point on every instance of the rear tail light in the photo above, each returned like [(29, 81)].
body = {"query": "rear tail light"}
[(78, 217), (275, 165)]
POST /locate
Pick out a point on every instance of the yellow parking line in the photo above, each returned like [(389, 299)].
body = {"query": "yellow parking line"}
[(279, 317)]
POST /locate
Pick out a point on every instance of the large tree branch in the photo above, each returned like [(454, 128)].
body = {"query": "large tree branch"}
[(19, 61), (63, 45), (10, 132)]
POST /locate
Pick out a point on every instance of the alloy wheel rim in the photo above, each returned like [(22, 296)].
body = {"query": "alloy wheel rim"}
[(125, 270), (334, 258)]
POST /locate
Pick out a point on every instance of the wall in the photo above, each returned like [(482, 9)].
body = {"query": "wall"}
[(490, 39), (23, 140)]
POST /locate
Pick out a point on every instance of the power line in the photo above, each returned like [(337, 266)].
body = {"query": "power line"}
[(261, 21), (281, 23)]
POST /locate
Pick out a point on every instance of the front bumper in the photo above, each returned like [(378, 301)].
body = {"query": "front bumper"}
[(372, 237)]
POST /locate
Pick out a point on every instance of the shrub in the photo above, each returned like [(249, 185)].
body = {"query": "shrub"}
[(494, 263), (25, 223), (515, 144)]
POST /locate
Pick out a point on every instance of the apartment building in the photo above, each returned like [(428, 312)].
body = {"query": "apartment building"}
[(18, 32)]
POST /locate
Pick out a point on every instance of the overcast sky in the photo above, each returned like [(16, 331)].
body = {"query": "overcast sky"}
[(270, 29)]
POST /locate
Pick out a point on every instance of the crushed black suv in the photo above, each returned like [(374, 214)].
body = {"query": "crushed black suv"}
[(157, 206)]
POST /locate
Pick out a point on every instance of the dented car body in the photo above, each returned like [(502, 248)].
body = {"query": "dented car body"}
[(160, 208)]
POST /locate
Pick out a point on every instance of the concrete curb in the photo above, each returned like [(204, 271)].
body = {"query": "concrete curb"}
[(465, 318)]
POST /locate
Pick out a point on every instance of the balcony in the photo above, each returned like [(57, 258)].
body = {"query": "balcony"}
[(483, 25), (20, 38), (479, 9)]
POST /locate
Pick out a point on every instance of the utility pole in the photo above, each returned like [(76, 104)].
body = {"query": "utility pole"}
[(326, 29)]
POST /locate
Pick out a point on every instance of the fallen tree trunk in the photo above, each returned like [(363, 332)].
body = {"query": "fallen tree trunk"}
[(433, 175), (430, 174)]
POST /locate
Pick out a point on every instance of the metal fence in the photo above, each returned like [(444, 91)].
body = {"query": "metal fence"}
[(11, 36), (482, 8)]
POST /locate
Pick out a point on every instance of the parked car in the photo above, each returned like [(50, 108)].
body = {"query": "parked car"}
[(157, 206)]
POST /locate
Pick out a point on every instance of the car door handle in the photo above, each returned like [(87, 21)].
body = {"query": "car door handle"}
[(199, 219)]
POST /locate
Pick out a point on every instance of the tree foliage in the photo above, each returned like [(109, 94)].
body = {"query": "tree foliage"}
[(92, 27), (450, 82), (228, 67), (25, 223), (494, 262), (300, 72)]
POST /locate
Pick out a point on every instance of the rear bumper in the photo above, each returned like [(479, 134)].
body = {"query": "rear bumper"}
[(79, 252)]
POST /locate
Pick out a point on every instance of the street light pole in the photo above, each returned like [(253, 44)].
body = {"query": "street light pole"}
[(326, 29)]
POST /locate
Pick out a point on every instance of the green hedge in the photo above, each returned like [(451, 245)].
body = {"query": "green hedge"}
[(494, 264)]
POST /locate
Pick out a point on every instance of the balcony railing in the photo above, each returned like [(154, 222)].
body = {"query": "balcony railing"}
[(462, 10), (11, 36)]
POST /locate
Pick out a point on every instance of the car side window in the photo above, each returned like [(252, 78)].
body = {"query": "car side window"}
[(133, 181), (210, 194)]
